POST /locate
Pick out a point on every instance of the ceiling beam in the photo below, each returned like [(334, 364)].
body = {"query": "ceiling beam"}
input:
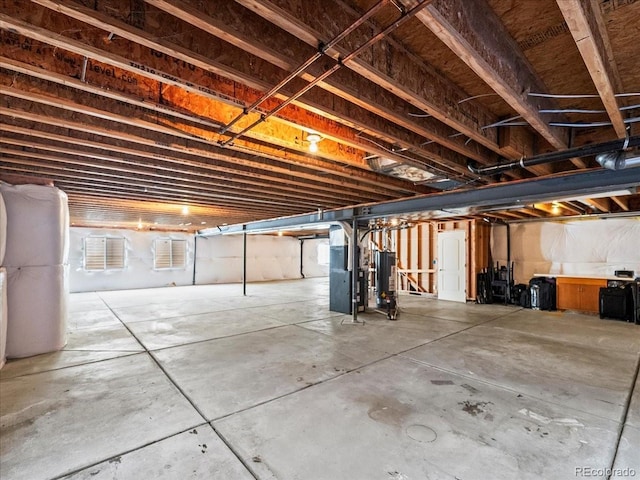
[(209, 174), (601, 204), (176, 132), (209, 113), (342, 155), (88, 209), (533, 212), (385, 63), (590, 34), (180, 155), (145, 183), (572, 208), (576, 184), (623, 203), (258, 75), (474, 33), (150, 174), (555, 209)]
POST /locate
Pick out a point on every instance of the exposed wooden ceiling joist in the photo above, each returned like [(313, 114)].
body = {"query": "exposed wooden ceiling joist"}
[(262, 76), (112, 97), (586, 25), (477, 36)]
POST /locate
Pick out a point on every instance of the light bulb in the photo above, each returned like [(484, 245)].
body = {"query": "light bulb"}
[(313, 139)]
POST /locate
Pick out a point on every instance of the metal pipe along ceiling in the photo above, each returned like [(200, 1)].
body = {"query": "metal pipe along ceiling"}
[(306, 64), (341, 61), (618, 160), (584, 151)]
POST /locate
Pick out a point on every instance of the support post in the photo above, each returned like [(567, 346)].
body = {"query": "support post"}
[(509, 269), (354, 270), (301, 258), (244, 261)]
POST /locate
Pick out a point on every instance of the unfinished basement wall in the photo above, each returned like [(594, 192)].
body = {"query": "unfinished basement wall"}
[(269, 257), (315, 257), (138, 271), (417, 253), (219, 260), (578, 247)]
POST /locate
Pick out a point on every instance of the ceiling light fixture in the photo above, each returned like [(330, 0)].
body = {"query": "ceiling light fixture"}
[(185, 210), (313, 139)]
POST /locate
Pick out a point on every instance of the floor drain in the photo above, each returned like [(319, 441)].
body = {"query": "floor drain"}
[(421, 433)]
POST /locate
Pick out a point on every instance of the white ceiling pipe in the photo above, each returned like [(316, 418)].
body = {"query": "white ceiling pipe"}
[(618, 160)]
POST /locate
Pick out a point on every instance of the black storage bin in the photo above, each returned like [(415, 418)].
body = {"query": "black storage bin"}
[(635, 293), (543, 293), (617, 303), (516, 294)]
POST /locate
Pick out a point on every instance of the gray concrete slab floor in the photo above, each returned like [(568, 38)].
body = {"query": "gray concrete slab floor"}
[(230, 374), (197, 454), (170, 332), (585, 378), (293, 391), (628, 457), (633, 416), (58, 421), (400, 419)]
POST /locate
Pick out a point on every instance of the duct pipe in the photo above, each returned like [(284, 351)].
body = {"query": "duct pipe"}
[(618, 160), (584, 151)]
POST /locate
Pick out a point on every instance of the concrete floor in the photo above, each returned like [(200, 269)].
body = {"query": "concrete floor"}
[(201, 383)]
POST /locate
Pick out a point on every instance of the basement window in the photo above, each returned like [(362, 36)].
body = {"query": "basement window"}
[(103, 253), (169, 254)]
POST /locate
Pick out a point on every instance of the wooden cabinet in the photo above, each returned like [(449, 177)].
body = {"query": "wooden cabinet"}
[(575, 293)]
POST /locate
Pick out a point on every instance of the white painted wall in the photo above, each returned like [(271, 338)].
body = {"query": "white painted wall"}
[(139, 272), (580, 247), (310, 266), (219, 260)]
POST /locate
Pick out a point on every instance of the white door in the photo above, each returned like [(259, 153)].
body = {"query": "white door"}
[(452, 257)]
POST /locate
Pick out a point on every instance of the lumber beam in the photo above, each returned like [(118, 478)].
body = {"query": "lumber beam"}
[(586, 24), (478, 37), (93, 106), (366, 108), (623, 203), (601, 204), (386, 63), (206, 179), (56, 167)]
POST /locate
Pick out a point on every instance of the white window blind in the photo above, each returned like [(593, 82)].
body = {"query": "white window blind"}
[(104, 253), (169, 253)]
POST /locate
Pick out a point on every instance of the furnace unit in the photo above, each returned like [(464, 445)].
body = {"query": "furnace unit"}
[(340, 275)]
